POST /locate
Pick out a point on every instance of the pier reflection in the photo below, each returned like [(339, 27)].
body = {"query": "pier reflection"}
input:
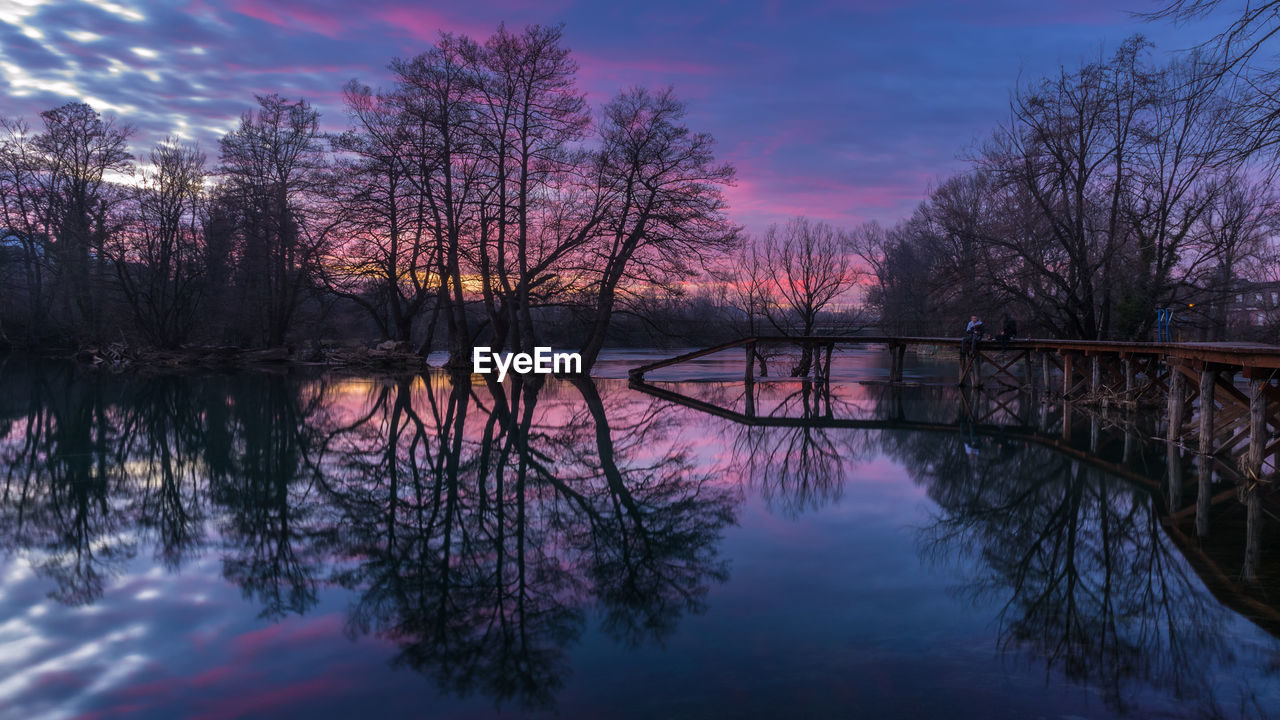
[(1084, 524)]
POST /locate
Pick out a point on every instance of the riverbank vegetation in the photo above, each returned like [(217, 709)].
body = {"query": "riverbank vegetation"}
[(1113, 189), (476, 196)]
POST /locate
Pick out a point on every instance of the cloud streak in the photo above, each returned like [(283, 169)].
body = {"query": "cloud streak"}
[(842, 111)]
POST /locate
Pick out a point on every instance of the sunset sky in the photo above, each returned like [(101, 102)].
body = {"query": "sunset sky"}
[(844, 111)]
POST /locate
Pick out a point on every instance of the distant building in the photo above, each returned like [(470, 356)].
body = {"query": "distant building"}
[(1253, 310)]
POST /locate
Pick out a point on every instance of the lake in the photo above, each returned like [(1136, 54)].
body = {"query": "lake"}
[(326, 545)]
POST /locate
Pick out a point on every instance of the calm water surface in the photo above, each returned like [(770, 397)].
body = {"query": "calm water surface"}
[(330, 546)]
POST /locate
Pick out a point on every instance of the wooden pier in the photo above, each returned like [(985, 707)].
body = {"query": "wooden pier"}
[(1220, 399), (1218, 507)]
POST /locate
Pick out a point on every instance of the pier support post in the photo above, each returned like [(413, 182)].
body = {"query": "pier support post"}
[(897, 358), (1095, 375), (1257, 425), (1253, 534), (1204, 469), (1026, 370), (1173, 462), (1068, 373), (749, 376), (1129, 380), (1208, 380), (1177, 404), (1253, 467), (1045, 369)]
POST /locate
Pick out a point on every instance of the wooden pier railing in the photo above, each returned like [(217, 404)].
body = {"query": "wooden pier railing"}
[(1207, 409)]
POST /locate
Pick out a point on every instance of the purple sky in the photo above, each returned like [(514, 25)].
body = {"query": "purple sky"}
[(844, 111)]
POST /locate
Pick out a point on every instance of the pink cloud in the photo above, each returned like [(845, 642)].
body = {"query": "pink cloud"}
[(289, 633), (426, 25), (294, 16), (603, 77), (260, 702)]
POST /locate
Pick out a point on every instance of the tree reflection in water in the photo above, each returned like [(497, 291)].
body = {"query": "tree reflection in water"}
[(482, 527), (63, 473), (1076, 557), (478, 525), (801, 468)]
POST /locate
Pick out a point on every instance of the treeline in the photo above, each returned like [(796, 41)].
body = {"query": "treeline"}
[(1112, 190), (477, 198)]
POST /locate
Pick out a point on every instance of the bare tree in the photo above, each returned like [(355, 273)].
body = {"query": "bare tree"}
[(434, 92), (21, 223), (76, 152), (158, 259), (748, 292), (1175, 181), (809, 271), (1231, 245), (666, 210), (904, 267), (271, 170), (1068, 149), (385, 263), (1231, 60), (529, 115)]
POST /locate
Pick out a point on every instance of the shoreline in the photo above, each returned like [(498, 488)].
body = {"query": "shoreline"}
[(118, 357)]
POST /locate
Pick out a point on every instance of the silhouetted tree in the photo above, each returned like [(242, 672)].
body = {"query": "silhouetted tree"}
[(159, 257), (386, 261), (271, 170), (666, 210)]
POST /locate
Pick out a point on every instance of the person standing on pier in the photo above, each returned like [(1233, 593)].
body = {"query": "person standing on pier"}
[(1008, 332), (972, 335)]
